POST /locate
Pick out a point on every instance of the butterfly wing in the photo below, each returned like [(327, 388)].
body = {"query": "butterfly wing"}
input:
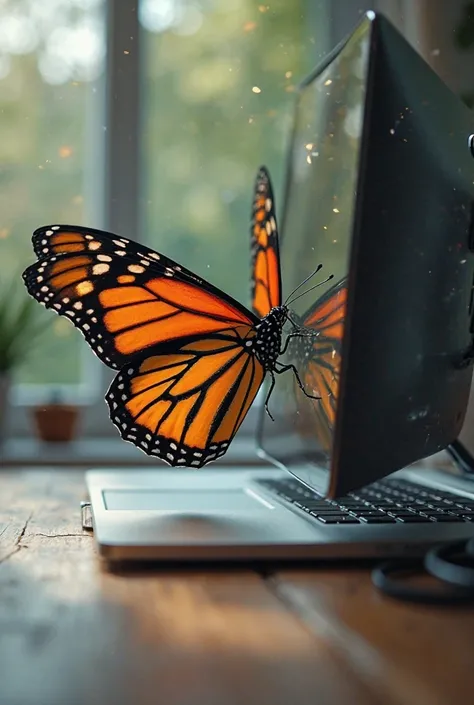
[(266, 275), (124, 297), (318, 354), (185, 404)]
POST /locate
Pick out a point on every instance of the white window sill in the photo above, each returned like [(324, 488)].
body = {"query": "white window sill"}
[(104, 452)]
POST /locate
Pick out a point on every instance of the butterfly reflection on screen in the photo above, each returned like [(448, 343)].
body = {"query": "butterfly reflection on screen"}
[(316, 353), (191, 359)]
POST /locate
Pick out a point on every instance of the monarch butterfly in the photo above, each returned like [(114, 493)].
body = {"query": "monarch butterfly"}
[(191, 359), (317, 354)]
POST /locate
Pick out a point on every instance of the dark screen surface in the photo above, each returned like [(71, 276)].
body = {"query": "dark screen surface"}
[(379, 190)]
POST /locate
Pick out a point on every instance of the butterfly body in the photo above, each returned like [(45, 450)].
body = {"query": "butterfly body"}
[(267, 341)]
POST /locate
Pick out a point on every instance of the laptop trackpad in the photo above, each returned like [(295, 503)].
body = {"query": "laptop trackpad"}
[(183, 501)]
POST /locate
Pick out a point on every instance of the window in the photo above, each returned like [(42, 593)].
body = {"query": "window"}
[(219, 81), (157, 138), (51, 59)]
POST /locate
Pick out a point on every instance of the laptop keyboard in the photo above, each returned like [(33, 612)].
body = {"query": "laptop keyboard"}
[(384, 502)]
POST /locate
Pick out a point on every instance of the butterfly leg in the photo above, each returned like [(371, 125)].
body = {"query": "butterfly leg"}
[(298, 334), (285, 368), (269, 395)]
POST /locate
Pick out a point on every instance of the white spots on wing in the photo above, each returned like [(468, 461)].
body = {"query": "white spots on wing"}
[(77, 305), (120, 253), (170, 456), (66, 300), (195, 463), (136, 268), (130, 370), (100, 268), (119, 243), (148, 436), (44, 289), (90, 311), (197, 454), (120, 386), (104, 258), (86, 326), (181, 461), (268, 227), (169, 272), (145, 262), (58, 306), (155, 255), (94, 245), (89, 237), (173, 446), (55, 227), (268, 204), (273, 224), (39, 279), (248, 343), (124, 397), (49, 233), (41, 270), (100, 349), (93, 319), (84, 288), (45, 250)]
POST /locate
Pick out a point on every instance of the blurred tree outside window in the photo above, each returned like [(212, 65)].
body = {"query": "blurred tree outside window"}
[(219, 81)]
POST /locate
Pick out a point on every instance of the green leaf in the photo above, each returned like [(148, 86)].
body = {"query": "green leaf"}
[(20, 323)]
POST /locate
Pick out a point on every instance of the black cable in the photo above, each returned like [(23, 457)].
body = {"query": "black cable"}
[(444, 594), (444, 563)]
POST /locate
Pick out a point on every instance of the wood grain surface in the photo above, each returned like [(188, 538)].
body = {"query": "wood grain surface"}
[(72, 631)]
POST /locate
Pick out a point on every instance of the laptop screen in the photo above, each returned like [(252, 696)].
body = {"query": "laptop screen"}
[(316, 228)]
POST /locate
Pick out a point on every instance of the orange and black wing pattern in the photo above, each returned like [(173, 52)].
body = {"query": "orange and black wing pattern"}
[(185, 405), (188, 373), (124, 297), (266, 274), (317, 355)]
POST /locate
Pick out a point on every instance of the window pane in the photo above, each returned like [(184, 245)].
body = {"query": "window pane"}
[(219, 82), (52, 53)]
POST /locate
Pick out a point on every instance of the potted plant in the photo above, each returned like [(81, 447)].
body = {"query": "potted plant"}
[(56, 421), (19, 328)]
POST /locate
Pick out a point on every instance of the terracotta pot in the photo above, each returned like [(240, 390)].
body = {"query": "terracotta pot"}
[(5, 384), (56, 423)]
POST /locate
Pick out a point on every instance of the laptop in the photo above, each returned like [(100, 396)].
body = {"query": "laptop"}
[(380, 188)]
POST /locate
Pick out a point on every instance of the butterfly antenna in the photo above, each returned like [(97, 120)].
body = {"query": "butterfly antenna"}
[(331, 276), (303, 282)]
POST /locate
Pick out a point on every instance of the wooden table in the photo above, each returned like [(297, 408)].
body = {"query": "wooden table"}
[(73, 632)]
